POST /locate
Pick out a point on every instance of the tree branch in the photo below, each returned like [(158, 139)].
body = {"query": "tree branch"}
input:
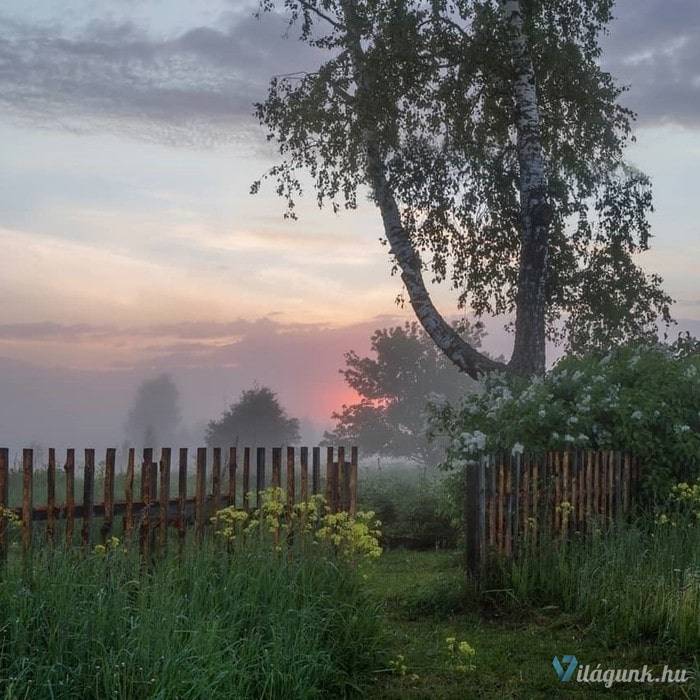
[(463, 355)]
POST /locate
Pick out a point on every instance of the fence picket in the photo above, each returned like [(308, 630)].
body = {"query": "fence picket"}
[(232, 468), (291, 484), (246, 478), (200, 492), (164, 498), (27, 498), (4, 500), (108, 519), (69, 468), (88, 495), (51, 497), (129, 493)]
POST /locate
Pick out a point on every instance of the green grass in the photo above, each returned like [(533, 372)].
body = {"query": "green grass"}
[(256, 624), (427, 600), (638, 582)]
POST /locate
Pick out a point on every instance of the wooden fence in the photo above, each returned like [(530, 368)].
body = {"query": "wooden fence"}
[(156, 510), (510, 500)]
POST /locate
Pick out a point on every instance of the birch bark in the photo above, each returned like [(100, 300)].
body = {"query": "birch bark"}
[(529, 350), (463, 355)]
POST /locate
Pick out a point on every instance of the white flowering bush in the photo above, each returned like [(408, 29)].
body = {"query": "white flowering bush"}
[(645, 399)]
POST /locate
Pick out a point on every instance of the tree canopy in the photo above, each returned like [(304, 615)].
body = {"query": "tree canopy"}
[(394, 387), (257, 419), (492, 142), (155, 414)]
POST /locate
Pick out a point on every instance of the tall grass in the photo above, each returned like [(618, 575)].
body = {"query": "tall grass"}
[(635, 582), (250, 624)]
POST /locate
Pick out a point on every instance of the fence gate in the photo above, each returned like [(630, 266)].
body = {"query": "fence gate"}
[(511, 499)]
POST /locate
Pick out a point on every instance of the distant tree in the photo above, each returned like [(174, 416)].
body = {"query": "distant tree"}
[(257, 418), (155, 414), (394, 386)]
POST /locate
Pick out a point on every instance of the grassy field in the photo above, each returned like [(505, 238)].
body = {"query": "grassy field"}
[(252, 624), (426, 602)]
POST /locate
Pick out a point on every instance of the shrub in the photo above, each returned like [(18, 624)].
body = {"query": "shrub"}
[(644, 399), (417, 509)]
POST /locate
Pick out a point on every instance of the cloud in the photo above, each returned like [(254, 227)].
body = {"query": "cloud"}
[(654, 47), (197, 87)]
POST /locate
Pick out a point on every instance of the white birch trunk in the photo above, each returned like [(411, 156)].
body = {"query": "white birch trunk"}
[(529, 350)]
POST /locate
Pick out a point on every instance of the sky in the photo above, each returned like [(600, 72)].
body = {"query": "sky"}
[(131, 244)]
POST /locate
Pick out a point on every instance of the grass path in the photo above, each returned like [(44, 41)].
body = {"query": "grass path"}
[(425, 604)]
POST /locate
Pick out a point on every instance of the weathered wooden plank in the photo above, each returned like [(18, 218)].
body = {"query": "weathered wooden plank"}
[(260, 475), (181, 496), (626, 480), (330, 481), (165, 457), (108, 520), (316, 470), (291, 481), (246, 478), (216, 478), (508, 465), (27, 497), (232, 468), (354, 459), (491, 479), (51, 497), (69, 468), (277, 467), (536, 496), (340, 493), (500, 529), (200, 493), (146, 498), (472, 489), (4, 500), (565, 493), (304, 473), (88, 495), (523, 525), (129, 493), (556, 465)]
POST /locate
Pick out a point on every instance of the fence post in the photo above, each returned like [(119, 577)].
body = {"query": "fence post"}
[(51, 497), (277, 467), (4, 499), (291, 482), (260, 475), (216, 479), (316, 470), (353, 480), (246, 478), (339, 474), (472, 493), (200, 494), (181, 496), (164, 497), (304, 469), (147, 496), (232, 466), (330, 481), (88, 494), (70, 494), (27, 498), (106, 528), (129, 493)]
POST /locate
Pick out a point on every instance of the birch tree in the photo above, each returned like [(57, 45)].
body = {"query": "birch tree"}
[(492, 144)]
